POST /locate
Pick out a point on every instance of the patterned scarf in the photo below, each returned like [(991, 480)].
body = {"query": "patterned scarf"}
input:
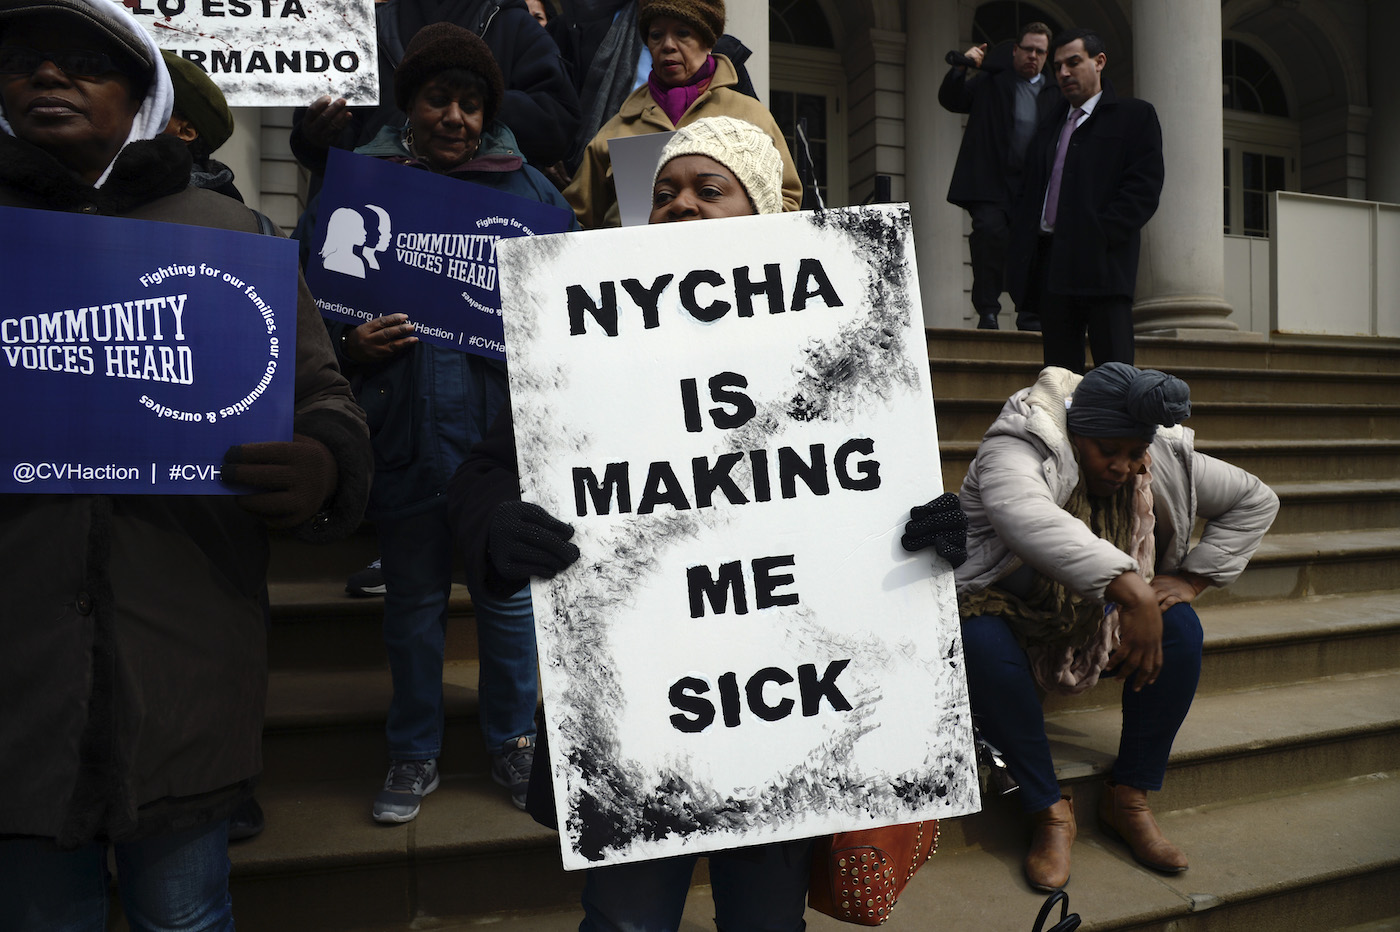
[(1069, 637)]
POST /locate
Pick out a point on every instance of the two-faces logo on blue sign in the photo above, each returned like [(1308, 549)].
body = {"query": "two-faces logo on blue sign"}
[(426, 247)]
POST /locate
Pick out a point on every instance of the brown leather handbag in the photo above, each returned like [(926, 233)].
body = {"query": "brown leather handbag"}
[(858, 876)]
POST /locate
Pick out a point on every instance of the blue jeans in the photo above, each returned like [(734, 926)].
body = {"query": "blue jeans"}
[(415, 554), (760, 889), (1007, 709), (168, 883)]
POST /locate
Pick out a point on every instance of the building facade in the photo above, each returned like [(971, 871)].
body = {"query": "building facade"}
[(1254, 96)]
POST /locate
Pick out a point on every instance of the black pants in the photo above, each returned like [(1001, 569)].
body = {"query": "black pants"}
[(991, 232), (1066, 319)]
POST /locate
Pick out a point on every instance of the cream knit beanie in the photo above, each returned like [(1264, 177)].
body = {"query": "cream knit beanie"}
[(739, 146)]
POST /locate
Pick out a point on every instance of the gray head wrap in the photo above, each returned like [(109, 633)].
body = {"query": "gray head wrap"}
[(1119, 400)]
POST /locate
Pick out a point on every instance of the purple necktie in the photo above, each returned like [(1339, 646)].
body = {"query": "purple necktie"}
[(1052, 191)]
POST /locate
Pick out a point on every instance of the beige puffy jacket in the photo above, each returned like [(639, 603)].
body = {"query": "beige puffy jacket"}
[(1024, 473)]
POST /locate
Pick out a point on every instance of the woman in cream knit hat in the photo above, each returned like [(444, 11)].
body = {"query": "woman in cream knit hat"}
[(713, 168)]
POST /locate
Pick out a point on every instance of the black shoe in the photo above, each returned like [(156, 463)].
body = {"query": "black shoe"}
[(1028, 324), (368, 581), (511, 766), (987, 320), (247, 820)]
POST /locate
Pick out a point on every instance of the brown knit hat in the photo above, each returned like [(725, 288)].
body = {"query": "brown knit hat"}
[(705, 16), (441, 46)]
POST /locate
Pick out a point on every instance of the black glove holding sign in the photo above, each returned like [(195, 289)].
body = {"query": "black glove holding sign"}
[(525, 540), (942, 525), (297, 478)]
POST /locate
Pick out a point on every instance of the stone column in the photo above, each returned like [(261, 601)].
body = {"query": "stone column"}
[(1177, 68), (749, 23), (1383, 143), (931, 139)]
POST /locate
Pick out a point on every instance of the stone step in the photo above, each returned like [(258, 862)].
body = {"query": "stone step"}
[(326, 727), (969, 419), (1330, 850), (1249, 742), (1334, 506), (316, 626), (1246, 351), (322, 722), (992, 378), (326, 724), (1323, 563), (1251, 645), (323, 863)]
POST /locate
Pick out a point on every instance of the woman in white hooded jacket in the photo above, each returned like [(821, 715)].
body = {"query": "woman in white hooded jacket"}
[(1080, 511)]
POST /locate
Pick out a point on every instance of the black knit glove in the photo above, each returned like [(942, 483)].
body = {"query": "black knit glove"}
[(942, 525), (525, 540), (298, 478)]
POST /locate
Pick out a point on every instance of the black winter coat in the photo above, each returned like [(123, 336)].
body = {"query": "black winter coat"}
[(984, 171), (1109, 189), (133, 667)]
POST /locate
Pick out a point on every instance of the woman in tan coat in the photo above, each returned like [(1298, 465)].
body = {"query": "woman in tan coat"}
[(688, 82)]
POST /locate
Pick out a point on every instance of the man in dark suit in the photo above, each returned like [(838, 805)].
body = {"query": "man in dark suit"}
[(1004, 107), (1093, 178)]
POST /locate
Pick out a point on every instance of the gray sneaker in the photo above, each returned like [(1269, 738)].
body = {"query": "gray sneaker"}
[(510, 767), (404, 788)]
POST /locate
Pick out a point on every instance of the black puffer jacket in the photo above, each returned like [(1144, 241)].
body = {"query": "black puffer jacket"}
[(133, 670)]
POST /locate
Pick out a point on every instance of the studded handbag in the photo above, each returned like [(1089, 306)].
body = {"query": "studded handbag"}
[(858, 876)]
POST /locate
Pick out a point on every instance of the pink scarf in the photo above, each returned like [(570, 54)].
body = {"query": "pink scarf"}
[(675, 101)]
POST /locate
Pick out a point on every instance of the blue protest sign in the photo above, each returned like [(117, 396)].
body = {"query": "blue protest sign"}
[(133, 353), (425, 247)]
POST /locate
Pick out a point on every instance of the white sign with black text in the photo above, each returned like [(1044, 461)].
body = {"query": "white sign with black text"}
[(272, 53), (736, 418)]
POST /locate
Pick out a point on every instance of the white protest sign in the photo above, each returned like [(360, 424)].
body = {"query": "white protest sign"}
[(736, 417), (272, 53), (634, 161)]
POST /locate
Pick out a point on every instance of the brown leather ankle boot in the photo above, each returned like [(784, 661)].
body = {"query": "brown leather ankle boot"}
[(1052, 833), (1123, 814)]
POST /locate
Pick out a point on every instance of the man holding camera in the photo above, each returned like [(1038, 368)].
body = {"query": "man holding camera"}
[(1004, 107)]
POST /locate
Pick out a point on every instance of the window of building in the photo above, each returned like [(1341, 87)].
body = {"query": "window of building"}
[(1249, 82), (799, 22), (1002, 20), (807, 80), (1261, 144)]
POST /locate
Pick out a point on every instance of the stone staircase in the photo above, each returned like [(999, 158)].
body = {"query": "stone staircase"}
[(1282, 786)]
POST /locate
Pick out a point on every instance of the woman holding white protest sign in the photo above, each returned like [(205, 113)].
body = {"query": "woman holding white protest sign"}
[(427, 405), (714, 168), (134, 670), (687, 83)]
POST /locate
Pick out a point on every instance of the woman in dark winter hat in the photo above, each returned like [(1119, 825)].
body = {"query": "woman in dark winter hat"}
[(427, 405), (134, 669), (1080, 506), (688, 82)]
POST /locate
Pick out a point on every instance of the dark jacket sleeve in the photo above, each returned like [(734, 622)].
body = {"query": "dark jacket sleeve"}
[(326, 410), (486, 478), (1140, 182), (540, 105), (955, 93)]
